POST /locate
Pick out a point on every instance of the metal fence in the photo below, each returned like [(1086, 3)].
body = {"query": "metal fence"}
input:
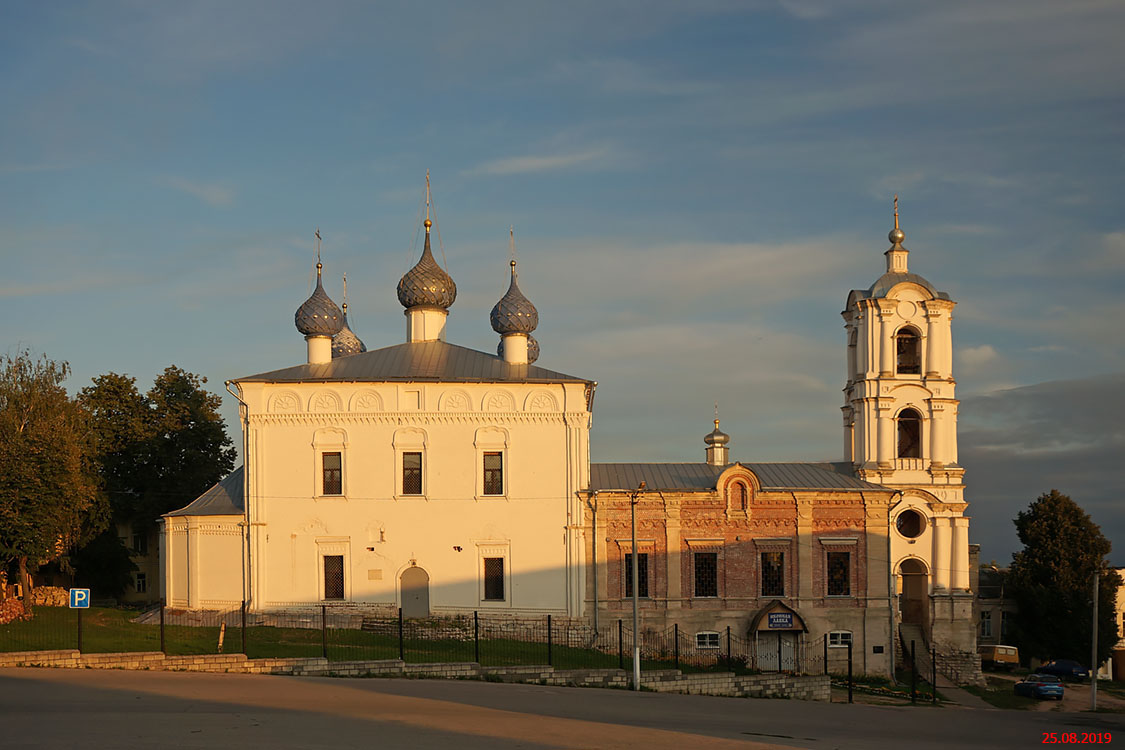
[(348, 634)]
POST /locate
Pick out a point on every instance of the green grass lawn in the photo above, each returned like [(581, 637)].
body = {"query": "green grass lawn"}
[(1000, 693)]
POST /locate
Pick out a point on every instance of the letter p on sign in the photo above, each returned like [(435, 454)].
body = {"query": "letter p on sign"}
[(80, 598)]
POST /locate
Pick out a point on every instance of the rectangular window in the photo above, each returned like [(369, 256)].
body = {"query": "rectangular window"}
[(141, 584), (333, 473), (493, 473), (985, 624), (839, 574), (706, 574), (707, 639), (140, 541), (412, 473), (334, 576), (494, 579), (773, 574), (642, 574), (839, 638)]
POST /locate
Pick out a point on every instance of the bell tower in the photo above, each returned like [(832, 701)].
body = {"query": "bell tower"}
[(900, 431)]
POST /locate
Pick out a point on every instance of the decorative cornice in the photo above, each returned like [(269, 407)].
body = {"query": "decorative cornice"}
[(414, 417)]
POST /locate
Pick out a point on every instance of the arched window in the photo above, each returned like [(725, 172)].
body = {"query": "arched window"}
[(740, 496), (909, 345), (909, 434)]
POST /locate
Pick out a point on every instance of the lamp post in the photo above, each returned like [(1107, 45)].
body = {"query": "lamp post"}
[(1094, 647), (636, 618)]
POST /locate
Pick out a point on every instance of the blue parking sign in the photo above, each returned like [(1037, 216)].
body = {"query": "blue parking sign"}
[(80, 598)]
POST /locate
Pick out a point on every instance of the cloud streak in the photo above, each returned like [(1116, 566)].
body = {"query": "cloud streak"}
[(213, 194), (532, 164)]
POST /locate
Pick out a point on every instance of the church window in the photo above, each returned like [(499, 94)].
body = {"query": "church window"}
[(910, 523), (642, 574), (706, 573), (909, 345), (985, 623), (412, 473), (708, 639), (909, 434), (494, 579), (740, 496), (839, 638), (493, 473), (333, 576), (333, 472), (773, 574), (839, 574)]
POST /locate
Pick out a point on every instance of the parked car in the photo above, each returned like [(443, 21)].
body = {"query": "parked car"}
[(1068, 669), (1040, 686), (999, 657)]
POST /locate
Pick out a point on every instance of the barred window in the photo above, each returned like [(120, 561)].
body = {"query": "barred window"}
[(706, 574), (334, 576), (333, 468), (494, 579), (773, 574), (412, 473), (493, 473), (642, 574), (839, 638), (839, 578)]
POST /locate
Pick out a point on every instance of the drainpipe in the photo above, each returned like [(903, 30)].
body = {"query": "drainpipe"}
[(592, 503), (244, 415)]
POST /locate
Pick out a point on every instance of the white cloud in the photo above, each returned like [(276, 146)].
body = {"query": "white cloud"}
[(211, 193), (539, 163)]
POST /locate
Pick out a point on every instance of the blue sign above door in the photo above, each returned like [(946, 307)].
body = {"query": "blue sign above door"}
[(780, 620)]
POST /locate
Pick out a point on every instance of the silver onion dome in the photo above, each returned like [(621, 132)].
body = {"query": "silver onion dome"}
[(427, 284), (346, 342), (532, 349), (514, 313), (318, 316), (717, 436)]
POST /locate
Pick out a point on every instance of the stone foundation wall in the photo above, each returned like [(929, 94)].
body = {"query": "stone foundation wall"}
[(814, 687)]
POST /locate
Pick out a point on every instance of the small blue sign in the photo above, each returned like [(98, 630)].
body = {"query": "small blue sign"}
[(781, 620), (80, 598)]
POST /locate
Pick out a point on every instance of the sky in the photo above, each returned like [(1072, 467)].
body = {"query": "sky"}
[(694, 187)]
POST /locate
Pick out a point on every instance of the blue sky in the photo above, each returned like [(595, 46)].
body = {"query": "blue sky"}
[(695, 187)]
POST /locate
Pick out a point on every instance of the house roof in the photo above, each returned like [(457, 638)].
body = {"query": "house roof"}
[(223, 499), (436, 361), (703, 476)]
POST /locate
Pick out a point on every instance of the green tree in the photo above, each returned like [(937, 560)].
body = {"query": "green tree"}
[(49, 499), (1051, 580)]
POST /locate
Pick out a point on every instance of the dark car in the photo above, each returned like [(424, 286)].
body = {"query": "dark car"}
[(1068, 669), (1040, 686)]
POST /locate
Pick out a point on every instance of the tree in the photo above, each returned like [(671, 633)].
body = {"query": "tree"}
[(49, 499), (1051, 580)]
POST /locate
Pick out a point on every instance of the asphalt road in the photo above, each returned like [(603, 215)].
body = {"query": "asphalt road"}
[(60, 708)]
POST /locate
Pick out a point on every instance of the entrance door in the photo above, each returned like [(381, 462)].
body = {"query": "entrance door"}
[(915, 592), (777, 651), (415, 592)]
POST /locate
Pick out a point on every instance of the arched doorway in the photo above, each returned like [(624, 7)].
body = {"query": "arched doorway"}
[(415, 592), (777, 634), (914, 598)]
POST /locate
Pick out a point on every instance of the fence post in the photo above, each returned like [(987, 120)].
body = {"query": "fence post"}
[(933, 673), (476, 637), (826, 653), (779, 652), (401, 650), (728, 646), (162, 626), (79, 630), (676, 648), (849, 671), (620, 646), (550, 662), (913, 677), (243, 617), (324, 631)]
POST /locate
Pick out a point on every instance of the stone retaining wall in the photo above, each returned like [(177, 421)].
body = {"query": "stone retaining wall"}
[(812, 687)]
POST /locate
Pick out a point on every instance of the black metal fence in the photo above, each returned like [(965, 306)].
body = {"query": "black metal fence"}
[(348, 634)]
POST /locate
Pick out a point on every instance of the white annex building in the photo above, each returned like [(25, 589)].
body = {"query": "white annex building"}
[(444, 480)]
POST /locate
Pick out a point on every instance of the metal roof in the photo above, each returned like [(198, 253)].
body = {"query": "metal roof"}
[(703, 476), (889, 280), (437, 361), (223, 499)]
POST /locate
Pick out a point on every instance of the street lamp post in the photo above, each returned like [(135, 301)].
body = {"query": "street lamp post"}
[(1094, 648), (636, 617)]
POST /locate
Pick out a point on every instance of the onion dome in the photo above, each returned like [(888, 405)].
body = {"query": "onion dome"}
[(318, 316), (346, 342), (514, 313), (717, 436), (427, 284), (532, 349)]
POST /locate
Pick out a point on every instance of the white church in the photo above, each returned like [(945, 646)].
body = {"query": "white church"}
[(442, 480)]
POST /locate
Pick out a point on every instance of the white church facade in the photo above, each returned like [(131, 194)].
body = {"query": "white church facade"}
[(442, 480)]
